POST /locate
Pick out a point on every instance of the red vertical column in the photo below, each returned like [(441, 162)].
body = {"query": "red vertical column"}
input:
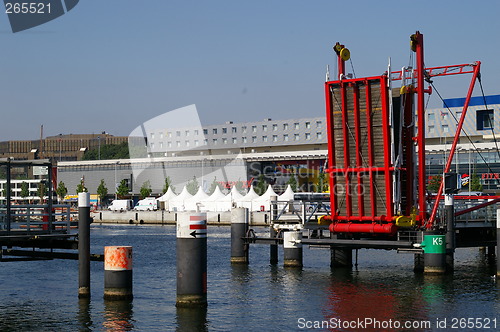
[(422, 207), (408, 133), (373, 200), (345, 133), (359, 159), (331, 148), (387, 145)]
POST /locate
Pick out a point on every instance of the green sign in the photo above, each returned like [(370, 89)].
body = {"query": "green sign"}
[(434, 244)]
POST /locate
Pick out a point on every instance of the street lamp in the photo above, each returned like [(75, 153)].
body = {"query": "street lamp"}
[(99, 146), (116, 184), (60, 148)]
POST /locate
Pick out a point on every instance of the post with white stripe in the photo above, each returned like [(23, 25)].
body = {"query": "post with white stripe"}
[(191, 260), (292, 248), (239, 228), (83, 245), (450, 231)]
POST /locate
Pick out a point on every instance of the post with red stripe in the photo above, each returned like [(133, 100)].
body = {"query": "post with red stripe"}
[(191, 260), (118, 273)]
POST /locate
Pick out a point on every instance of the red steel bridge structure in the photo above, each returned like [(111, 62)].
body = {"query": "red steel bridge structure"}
[(376, 165), (376, 146)]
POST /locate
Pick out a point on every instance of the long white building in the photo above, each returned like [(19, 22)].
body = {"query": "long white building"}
[(241, 152)]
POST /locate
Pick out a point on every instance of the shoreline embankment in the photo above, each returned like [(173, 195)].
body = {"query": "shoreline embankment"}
[(162, 217)]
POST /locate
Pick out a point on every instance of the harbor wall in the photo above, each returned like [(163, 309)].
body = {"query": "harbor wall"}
[(161, 217)]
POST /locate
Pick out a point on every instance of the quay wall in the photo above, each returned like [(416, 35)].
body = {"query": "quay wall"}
[(162, 217)]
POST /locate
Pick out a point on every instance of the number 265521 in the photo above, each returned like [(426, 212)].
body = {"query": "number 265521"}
[(27, 8)]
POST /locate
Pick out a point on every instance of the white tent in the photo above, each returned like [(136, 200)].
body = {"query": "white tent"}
[(167, 197), (230, 199), (235, 194), (216, 201), (246, 201), (264, 200), (287, 195), (178, 203), (191, 203)]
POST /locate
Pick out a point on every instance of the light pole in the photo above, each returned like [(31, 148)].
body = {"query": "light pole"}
[(116, 184), (60, 148), (470, 175), (99, 146), (458, 159)]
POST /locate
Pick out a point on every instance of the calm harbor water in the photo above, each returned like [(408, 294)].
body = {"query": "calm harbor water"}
[(42, 295)]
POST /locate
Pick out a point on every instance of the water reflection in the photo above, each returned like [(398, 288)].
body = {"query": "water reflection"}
[(191, 319), (353, 296), (118, 316), (84, 317)]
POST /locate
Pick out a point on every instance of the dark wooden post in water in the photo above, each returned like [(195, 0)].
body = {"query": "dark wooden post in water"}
[(273, 248), (239, 228), (292, 248), (450, 231), (340, 257), (83, 245), (118, 273), (191, 250)]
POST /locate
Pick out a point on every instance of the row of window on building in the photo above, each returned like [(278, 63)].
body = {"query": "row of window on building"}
[(234, 130), (234, 140), (484, 120)]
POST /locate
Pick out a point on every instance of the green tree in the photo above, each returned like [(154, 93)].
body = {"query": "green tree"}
[(322, 184), (102, 191), (192, 186), (61, 191), (146, 189), (214, 185), (25, 190), (434, 183), (239, 186), (292, 181), (4, 192), (122, 189), (42, 190), (168, 184), (261, 186), (108, 151), (475, 183), (80, 188)]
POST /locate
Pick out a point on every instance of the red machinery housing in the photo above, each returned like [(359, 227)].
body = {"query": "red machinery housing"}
[(376, 146)]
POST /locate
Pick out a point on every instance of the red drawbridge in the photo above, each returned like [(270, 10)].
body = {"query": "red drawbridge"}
[(376, 145)]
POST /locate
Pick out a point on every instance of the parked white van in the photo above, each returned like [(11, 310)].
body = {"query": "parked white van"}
[(147, 204), (120, 205)]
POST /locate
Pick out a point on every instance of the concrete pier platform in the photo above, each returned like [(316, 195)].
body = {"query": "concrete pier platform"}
[(162, 217)]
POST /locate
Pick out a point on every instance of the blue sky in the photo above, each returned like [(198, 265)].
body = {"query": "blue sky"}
[(110, 65)]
